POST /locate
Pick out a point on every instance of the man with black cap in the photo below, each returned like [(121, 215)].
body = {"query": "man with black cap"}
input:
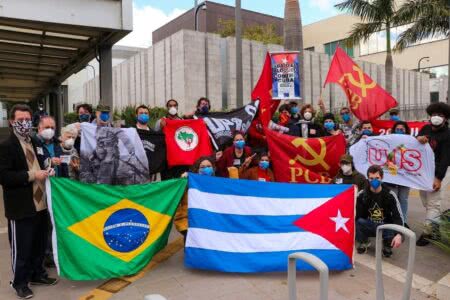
[(437, 134), (347, 173)]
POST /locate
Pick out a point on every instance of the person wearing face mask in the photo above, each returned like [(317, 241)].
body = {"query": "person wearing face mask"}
[(204, 165), (294, 111), (260, 172), (22, 176), (402, 192), (329, 125), (142, 118), (348, 127), (102, 116), (49, 146), (70, 160), (172, 114), (84, 112), (347, 173), (365, 131), (305, 127), (437, 134), (284, 115), (377, 205), (393, 114), (233, 156)]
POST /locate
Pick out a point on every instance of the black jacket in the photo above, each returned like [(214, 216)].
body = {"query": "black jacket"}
[(17, 191), (381, 208), (314, 130), (440, 143), (61, 170)]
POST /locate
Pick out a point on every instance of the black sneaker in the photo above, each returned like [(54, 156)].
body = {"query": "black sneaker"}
[(362, 247), (387, 251), (423, 240), (43, 281), (24, 292)]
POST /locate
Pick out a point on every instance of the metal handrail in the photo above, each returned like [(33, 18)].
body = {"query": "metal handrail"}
[(411, 257), (315, 262)]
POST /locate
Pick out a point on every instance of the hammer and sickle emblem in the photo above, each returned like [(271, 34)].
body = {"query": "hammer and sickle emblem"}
[(359, 84), (318, 158)]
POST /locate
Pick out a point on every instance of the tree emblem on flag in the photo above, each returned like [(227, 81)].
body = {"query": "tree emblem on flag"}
[(186, 138)]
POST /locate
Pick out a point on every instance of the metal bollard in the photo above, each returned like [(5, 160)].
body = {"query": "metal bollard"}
[(314, 261), (411, 257)]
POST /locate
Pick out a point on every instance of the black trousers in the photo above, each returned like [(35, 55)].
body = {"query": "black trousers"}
[(28, 241)]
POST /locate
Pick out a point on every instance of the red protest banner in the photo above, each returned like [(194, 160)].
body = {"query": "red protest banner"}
[(382, 127), (299, 160)]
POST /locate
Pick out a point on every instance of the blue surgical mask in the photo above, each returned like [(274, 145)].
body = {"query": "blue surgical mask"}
[(143, 119), (104, 116), (346, 118), (399, 131), (294, 110), (264, 164), (329, 126), (239, 144), (366, 132), (375, 183), (395, 118), (208, 171), (84, 118)]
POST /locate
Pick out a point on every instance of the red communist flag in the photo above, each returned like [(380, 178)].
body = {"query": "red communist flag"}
[(366, 98), (299, 160), (186, 141), (334, 221), (263, 91)]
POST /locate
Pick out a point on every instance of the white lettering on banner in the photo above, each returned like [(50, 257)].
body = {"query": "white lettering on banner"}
[(384, 131), (251, 110), (405, 161)]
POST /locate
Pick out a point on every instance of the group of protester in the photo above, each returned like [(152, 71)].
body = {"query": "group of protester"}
[(28, 158)]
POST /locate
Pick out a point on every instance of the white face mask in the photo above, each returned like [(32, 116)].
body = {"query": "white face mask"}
[(437, 120), (68, 144), (307, 115), (346, 169), (173, 111), (47, 134)]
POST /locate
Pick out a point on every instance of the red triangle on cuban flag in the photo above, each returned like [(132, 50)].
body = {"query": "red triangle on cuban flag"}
[(334, 221)]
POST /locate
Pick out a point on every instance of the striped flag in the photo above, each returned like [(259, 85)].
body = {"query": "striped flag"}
[(250, 226)]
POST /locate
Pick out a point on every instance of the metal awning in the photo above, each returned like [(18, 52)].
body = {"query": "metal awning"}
[(37, 54)]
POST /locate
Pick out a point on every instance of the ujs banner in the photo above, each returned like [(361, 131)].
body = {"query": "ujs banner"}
[(285, 75), (405, 161)]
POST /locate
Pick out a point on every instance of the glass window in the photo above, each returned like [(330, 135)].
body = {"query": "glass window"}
[(330, 48)]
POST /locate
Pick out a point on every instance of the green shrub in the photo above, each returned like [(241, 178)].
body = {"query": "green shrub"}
[(71, 117)]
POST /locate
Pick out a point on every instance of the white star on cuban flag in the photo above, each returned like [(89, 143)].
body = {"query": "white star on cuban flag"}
[(340, 221)]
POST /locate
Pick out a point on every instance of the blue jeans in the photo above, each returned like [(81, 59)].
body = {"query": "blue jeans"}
[(365, 229), (402, 193)]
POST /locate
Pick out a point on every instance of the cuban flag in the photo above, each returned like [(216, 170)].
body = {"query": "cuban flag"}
[(250, 226)]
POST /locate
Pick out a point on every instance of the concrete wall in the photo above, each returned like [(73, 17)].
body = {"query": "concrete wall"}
[(189, 65)]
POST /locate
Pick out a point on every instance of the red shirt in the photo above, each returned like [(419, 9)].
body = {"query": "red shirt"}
[(263, 175)]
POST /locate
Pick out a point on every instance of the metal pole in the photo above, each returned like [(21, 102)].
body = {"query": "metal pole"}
[(448, 72), (239, 84), (93, 69), (106, 89), (420, 60)]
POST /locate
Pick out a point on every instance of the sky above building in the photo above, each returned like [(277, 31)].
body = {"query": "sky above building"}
[(149, 15)]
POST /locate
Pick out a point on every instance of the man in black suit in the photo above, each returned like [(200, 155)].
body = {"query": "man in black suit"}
[(23, 176)]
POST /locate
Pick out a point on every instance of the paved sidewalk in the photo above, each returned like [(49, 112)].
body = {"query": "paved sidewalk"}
[(172, 280)]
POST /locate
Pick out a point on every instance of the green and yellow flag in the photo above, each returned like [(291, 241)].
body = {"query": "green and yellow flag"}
[(103, 231)]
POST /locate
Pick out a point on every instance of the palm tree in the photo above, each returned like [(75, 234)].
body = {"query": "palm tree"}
[(375, 16), (293, 34), (429, 18)]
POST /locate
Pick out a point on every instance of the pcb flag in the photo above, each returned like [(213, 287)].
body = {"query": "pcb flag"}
[(250, 226)]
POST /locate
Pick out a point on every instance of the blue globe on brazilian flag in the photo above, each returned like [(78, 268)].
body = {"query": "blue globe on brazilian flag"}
[(103, 231)]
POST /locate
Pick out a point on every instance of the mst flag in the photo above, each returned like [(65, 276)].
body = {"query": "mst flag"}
[(155, 148), (223, 125), (366, 98), (251, 226), (405, 161), (104, 231), (299, 160), (186, 141), (382, 127)]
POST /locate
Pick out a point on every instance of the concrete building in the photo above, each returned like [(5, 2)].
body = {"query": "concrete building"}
[(189, 65), (208, 20)]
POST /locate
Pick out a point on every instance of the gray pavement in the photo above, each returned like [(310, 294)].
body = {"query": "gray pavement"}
[(173, 281)]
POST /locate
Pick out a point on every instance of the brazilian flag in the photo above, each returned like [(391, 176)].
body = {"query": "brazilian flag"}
[(103, 231)]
